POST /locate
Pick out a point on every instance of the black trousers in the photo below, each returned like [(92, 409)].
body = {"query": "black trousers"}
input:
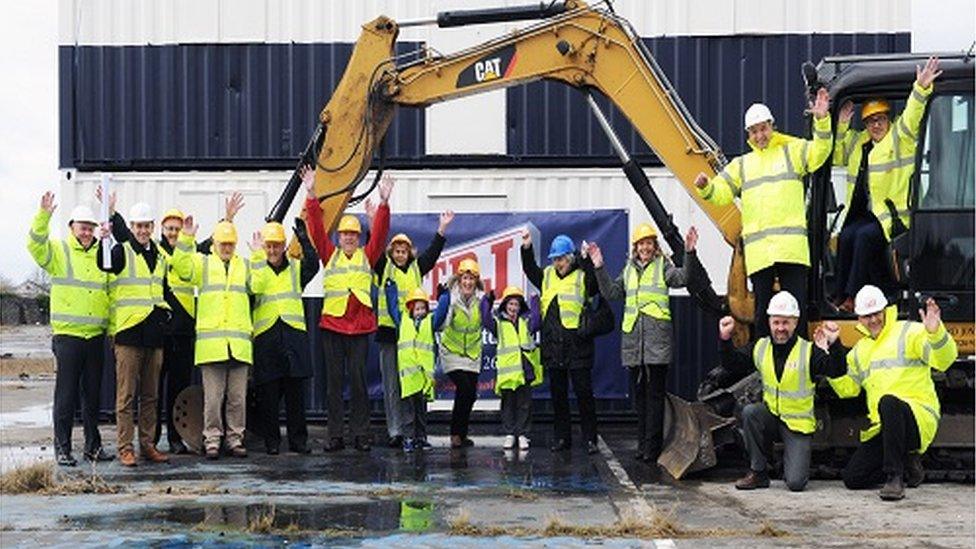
[(269, 395), (793, 279), (517, 410), (861, 257), (647, 385), (176, 375), (885, 454), (78, 367), (559, 379), (346, 354), (465, 393)]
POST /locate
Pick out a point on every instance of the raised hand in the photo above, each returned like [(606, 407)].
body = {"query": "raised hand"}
[(446, 218), (831, 330), (596, 255), (691, 239), (308, 180), (370, 209), (47, 202), (821, 104), (931, 316), (189, 227), (233, 205), (386, 188), (112, 198), (526, 238), (846, 112), (925, 76), (725, 327), (701, 181), (257, 242)]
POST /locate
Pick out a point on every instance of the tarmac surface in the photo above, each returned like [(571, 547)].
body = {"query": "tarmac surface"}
[(476, 497)]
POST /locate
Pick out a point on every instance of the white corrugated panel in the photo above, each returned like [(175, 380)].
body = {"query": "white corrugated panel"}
[(225, 21), (420, 191)]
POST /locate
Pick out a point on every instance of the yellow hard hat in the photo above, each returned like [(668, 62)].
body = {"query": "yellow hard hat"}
[(400, 237), (513, 291), (225, 232), (469, 266), (273, 232), (644, 230), (350, 224), (173, 212), (873, 107), (416, 294)]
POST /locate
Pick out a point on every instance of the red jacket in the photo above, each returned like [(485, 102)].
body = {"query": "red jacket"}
[(359, 318)]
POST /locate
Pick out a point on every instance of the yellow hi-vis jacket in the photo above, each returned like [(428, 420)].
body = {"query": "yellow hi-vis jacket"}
[(343, 276), (898, 363), (405, 283), (891, 161), (79, 289), (646, 293), (184, 291), (135, 291), (570, 292), (223, 307), (512, 346), (791, 397), (415, 357), (769, 185), (276, 295)]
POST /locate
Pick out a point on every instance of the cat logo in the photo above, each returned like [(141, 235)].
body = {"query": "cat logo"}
[(487, 70)]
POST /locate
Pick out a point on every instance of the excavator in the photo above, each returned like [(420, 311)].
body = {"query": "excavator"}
[(594, 50)]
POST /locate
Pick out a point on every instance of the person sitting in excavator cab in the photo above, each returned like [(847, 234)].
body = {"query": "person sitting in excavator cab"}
[(880, 161)]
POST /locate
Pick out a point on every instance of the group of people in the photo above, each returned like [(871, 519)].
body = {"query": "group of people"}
[(176, 302)]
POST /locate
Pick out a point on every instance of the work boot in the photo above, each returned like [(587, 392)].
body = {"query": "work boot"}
[(509, 442), (238, 452), (914, 472), (362, 444), (753, 480), (127, 458), (213, 453), (65, 459), (560, 445), (99, 455), (591, 447), (893, 489), (409, 445), (300, 448), (334, 445), (395, 441), (151, 454), (524, 442)]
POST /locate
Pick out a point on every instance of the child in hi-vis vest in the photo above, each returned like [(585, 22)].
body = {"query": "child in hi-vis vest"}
[(517, 364), (415, 361)]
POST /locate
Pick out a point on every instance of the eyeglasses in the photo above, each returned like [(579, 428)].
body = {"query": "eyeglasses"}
[(876, 120)]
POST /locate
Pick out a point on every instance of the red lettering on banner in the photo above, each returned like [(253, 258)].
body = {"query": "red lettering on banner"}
[(499, 251)]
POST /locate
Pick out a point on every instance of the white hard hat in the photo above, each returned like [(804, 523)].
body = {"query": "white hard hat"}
[(869, 300), (783, 304), (756, 113), (82, 214), (140, 212)]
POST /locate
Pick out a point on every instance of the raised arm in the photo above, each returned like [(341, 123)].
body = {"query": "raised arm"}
[(39, 243), (808, 155), (187, 264), (529, 266)]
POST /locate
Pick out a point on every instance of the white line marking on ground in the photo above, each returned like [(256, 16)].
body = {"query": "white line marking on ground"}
[(638, 503)]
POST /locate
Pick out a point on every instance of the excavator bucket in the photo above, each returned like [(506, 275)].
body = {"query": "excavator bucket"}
[(689, 444)]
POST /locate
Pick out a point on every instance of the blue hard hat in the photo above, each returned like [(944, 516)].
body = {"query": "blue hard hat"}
[(561, 245)]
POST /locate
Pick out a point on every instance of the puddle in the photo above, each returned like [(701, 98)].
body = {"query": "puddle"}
[(353, 519)]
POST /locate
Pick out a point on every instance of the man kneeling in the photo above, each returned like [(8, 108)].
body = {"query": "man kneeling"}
[(788, 365)]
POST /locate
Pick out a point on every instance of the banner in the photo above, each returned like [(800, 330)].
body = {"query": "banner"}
[(495, 240)]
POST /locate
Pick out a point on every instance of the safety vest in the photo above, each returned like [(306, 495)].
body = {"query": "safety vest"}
[(280, 296), (182, 290), (571, 291), (223, 312), (512, 346), (891, 161), (461, 336), (135, 291), (646, 293), (415, 357), (343, 276), (79, 290), (405, 281), (769, 185), (898, 363), (791, 397)]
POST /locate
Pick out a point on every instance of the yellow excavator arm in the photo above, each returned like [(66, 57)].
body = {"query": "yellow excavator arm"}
[(582, 46)]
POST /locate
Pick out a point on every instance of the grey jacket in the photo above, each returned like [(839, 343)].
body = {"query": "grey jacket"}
[(650, 340)]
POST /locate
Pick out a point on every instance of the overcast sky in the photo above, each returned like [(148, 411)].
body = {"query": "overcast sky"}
[(28, 114)]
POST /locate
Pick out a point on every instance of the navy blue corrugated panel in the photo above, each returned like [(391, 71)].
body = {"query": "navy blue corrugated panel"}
[(187, 105), (717, 77)]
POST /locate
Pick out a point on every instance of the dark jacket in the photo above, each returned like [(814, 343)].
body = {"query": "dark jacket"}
[(739, 361), (561, 347)]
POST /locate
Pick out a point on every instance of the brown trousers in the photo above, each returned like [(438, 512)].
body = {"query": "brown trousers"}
[(136, 372), (224, 380)]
